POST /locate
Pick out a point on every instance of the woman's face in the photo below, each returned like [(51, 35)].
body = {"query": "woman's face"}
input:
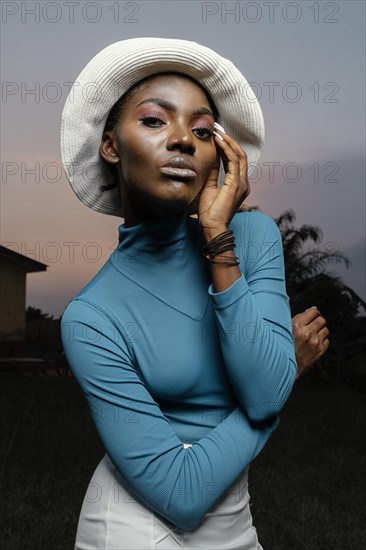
[(163, 146)]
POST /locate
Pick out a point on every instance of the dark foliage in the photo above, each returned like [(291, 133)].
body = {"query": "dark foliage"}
[(308, 283)]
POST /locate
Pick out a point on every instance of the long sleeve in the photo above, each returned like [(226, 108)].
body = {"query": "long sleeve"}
[(181, 484), (254, 320)]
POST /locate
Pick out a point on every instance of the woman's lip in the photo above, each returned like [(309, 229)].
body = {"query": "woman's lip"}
[(171, 171)]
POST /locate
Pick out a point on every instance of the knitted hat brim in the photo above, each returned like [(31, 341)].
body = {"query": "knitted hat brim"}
[(112, 72)]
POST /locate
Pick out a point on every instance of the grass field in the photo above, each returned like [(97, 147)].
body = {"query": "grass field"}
[(307, 486)]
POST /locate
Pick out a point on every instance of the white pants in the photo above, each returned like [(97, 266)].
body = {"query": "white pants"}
[(111, 519)]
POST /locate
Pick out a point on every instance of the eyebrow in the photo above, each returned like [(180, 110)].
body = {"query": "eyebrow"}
[(171, 107)]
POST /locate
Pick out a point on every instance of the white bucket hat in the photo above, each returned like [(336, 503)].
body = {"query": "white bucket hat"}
[(121, 65)]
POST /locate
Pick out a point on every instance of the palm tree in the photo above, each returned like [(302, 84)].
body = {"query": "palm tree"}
[(308, 284)]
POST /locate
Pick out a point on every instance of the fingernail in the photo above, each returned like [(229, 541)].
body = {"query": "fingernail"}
[(219, 127), (218, 135), (312, 307)]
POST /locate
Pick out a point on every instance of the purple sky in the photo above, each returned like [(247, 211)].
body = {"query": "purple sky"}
[(307, 65)]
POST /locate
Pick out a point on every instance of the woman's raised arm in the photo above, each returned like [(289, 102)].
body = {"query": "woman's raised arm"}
[(254, 319)]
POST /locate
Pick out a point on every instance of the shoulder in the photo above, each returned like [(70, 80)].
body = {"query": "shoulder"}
[(97, 283), (88, 332), (82, 316), (258, 241), (254, 227), (99, 296)]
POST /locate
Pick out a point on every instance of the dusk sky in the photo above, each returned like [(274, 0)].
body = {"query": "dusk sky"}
[(306, 63)]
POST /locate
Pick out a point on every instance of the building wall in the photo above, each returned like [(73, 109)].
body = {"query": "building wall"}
[(12, 300)]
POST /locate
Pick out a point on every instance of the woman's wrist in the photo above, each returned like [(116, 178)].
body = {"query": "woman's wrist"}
[(223, 274), (210, 233)]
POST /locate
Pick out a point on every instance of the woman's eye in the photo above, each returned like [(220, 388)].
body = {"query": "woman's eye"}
[(152, 121), (203, 132)]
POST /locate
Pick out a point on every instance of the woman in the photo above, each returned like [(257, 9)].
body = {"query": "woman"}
[(183, 350)]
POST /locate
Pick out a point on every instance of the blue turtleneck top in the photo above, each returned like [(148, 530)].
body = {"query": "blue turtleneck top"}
[(163, 359)]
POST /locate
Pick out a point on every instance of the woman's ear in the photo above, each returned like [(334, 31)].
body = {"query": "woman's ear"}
[(108, 149)]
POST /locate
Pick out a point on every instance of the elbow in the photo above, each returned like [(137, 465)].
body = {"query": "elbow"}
[(265, 410), (260, 412), (189, 524), (187, 518)]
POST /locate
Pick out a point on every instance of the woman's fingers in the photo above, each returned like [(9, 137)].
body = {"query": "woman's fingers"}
[(311, 338), (309, 316), (243, 167), (233, 152), (229, 157), (323, 335), (326, 344), (313, 330), (235, 163), (218, 205)]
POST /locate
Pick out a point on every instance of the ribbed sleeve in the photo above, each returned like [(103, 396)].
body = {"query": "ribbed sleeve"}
[(254, 320)]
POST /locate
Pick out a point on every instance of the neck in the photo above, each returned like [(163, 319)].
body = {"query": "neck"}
[(138, 210), (166, 233)]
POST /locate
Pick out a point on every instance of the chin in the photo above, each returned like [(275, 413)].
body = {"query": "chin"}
[(175, 197), (168, 204)]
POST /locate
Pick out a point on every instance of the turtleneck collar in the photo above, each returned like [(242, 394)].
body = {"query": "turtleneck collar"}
[(163, 256), (154, 234)]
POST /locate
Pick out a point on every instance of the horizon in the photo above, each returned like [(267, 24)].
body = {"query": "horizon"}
[(311, 89)]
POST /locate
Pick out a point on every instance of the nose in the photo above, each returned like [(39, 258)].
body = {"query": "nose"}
[(181, 138)]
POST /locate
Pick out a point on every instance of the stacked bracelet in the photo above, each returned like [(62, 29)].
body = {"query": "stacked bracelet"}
[(223, 242)]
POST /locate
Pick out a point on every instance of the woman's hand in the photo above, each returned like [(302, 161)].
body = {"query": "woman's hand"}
[(217, 205), (311, 339)]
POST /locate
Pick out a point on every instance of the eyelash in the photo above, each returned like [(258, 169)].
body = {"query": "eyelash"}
[(158, 116)]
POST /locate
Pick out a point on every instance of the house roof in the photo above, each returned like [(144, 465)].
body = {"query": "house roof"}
[(27, 264)]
